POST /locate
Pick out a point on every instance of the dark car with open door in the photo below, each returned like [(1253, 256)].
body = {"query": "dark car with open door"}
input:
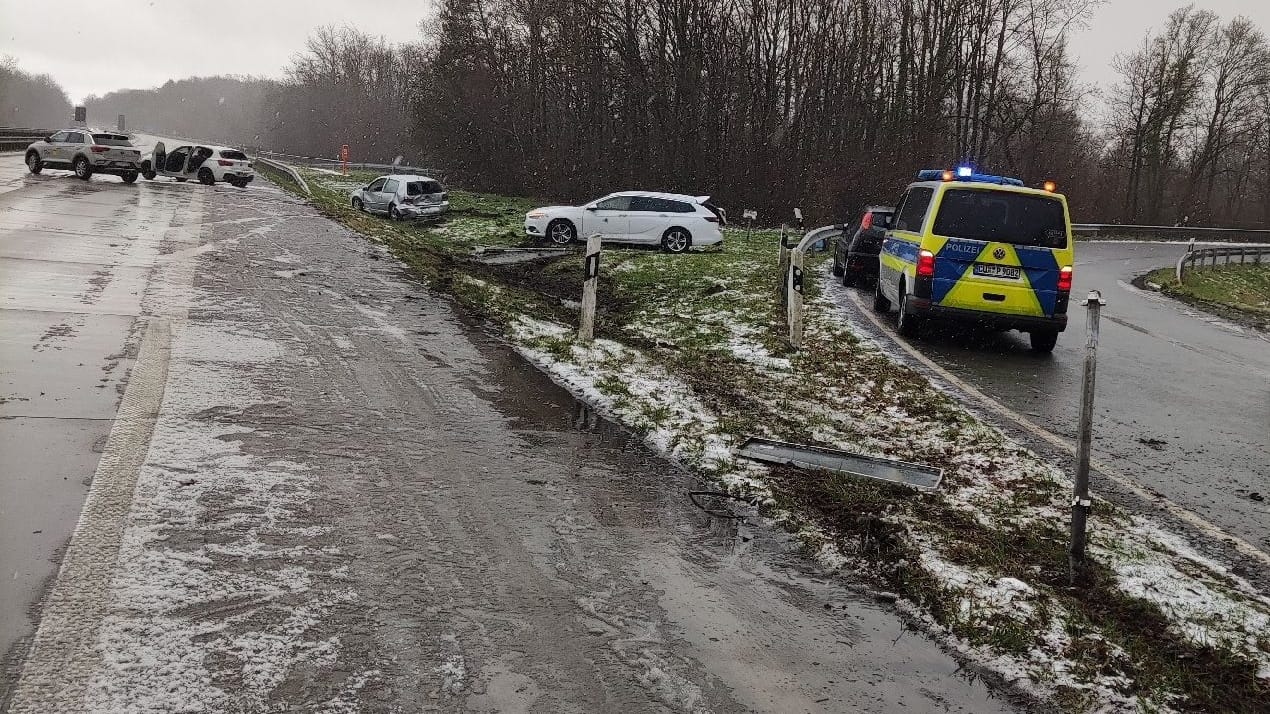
[(855, 255)]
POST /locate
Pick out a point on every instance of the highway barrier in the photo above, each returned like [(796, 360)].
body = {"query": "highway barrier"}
[(18, 138), (286, 171), (1197, 258), (337, 166), (1179, 233)]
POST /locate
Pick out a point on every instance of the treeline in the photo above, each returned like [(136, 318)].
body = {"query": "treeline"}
[(31, 100), (770, 104), (224, 109)]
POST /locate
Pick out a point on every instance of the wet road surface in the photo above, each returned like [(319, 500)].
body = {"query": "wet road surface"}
[(1183, 398), (324, 491)]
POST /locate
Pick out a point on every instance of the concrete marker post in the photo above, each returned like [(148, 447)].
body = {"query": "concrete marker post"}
[(586, 323), (1080, 498)]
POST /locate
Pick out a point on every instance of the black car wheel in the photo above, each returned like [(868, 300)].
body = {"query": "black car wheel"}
[(83, 169), (393, 213), (838, 269), (206, 177), (130, 177), (358, 205), (33, 162)]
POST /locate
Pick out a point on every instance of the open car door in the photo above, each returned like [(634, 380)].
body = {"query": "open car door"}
[(158, 159)]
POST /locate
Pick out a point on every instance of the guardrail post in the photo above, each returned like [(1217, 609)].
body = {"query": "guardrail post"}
[(783, 268), (794, 298), (586, 323), (1084, 436)]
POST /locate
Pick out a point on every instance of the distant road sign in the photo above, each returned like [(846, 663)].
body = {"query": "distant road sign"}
[(750, 214), (81, 115)]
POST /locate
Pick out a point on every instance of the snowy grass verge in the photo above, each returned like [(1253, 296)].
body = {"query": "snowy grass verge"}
[(689, 356)]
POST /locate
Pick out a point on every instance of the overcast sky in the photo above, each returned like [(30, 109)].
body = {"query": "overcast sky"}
[(111, 44)]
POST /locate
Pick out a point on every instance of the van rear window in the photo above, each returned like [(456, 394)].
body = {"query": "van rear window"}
[(1002, 217)]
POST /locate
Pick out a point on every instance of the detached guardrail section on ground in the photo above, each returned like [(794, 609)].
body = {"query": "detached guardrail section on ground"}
[(1197, 258), (18, 138)]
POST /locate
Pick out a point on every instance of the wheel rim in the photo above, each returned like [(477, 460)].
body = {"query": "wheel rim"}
[(32, 161), (561, 233), (393, 213), (81, 167), (676, 241), (903, 321)]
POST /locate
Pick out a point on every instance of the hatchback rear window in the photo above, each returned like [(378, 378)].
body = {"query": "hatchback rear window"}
[(111, 140), (1002, 217), (233, 155), (420, 188)]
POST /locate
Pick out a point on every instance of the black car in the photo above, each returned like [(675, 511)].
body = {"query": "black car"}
[(855, 255)]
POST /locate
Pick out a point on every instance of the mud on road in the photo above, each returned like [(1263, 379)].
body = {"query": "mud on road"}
[(353, 500)]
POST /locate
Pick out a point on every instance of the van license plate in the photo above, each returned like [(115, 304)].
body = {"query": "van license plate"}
[(997, 271)]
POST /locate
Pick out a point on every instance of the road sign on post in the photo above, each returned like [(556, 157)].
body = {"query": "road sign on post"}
[(1080, 497), (586, 324), (344, 159), (120, 124), (81, 116)]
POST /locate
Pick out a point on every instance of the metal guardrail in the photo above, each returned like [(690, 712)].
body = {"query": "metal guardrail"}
[(18, 138), (334, 164), (289, 171), (1179, 232), (1195, 259)]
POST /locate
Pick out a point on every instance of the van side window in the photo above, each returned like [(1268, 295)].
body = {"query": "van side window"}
[(912, 214)]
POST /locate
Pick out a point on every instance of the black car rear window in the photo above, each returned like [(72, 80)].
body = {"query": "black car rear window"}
[(111, 140), (233, 155), (1002, 217), (420, 188)]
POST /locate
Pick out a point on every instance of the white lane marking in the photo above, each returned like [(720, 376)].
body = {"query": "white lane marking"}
[(65, 653), (1212, 530)]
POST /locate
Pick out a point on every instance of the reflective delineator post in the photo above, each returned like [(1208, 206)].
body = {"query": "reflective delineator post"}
[(586, 323), (344, 159), (1080, 498)]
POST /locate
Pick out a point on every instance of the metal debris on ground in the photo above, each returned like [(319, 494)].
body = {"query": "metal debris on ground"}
[(924, 478), (507, 256)]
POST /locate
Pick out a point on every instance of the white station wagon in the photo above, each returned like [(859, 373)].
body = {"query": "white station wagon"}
[(674, 221)]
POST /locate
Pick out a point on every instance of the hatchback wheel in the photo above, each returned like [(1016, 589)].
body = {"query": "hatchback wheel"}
[(561, 232), (393, 213), (33, 163), (206, 177), (358, 205), (676, 240), (130, 177), (83, 169)]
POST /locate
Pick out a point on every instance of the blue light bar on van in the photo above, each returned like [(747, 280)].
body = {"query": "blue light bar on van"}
[(961, 175)]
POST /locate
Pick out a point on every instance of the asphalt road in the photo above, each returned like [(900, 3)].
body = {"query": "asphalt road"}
[(1183, 398), (315, 487)]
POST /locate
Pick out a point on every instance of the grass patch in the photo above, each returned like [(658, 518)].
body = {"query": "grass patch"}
[(1237, 292)]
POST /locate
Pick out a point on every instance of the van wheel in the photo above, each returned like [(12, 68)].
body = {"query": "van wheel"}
[(1043, 341), (909, 324), (33, 162), (206, 177), (880, 303), (83, 169)]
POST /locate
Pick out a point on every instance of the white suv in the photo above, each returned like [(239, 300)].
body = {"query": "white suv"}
[(674, 221), (86, 153)]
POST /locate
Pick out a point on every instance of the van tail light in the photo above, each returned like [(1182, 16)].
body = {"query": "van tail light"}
[(867, 223), (225, 162), (100, 149), (1065, 279), (925, 264)]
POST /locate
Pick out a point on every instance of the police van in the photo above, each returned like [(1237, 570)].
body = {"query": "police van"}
[(974, 247)]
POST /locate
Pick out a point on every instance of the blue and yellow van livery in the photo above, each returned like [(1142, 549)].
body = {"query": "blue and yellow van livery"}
[(981, 248)]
